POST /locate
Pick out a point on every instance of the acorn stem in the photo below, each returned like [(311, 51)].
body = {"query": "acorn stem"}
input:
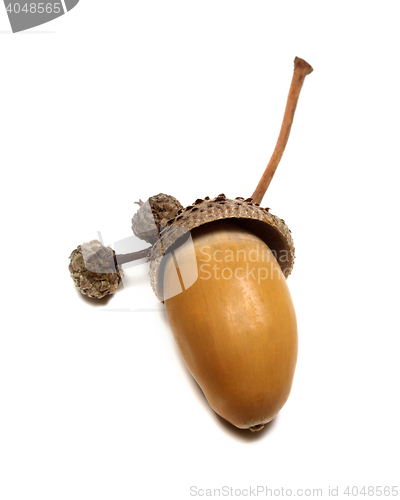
[(301, 70), (130, 257)]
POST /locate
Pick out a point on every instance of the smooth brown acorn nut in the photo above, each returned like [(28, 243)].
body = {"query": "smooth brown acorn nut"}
[(237, 334)]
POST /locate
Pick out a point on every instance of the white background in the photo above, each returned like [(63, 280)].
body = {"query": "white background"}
[(117, 101)]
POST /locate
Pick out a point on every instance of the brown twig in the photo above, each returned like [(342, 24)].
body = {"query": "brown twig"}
[(130, 257), (301, 70)]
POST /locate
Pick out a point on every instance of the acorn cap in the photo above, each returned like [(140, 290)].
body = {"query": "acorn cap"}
[(93, 269), (270, 228), (153, 215)]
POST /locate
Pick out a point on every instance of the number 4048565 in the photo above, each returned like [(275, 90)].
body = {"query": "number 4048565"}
[(33, 8), (372, 491)]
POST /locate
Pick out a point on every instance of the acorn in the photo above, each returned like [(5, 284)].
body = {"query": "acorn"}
[(153, 215), (220, 267)]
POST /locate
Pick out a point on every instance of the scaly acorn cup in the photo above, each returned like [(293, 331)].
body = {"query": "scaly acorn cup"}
[(95, 269), (236, 327), (153, 215)]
